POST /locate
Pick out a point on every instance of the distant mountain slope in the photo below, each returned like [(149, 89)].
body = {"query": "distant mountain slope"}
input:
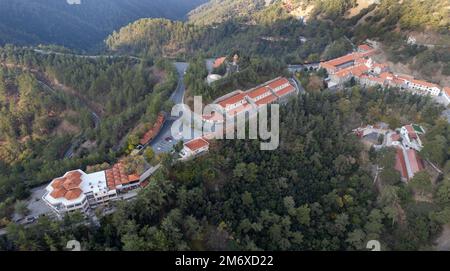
[(79, 26), (217, 11), (411, 14)]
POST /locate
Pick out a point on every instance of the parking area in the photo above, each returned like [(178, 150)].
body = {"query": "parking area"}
[(164, 141), (35, 205)]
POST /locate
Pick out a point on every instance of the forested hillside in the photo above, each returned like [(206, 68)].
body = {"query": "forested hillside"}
[(48, 103), (217, 11), (155, 37), (302, 31), (82, 26), (321, 195), (413, 14)]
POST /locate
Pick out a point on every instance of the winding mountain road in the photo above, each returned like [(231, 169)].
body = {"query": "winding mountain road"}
[(164, 141), (45, 52)]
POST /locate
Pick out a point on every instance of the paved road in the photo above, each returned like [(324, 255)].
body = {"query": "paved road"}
[(178, 95), (163, 142), (46, 52), (149, 172)]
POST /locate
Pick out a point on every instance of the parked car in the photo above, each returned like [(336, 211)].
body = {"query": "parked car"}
[(29, 220)]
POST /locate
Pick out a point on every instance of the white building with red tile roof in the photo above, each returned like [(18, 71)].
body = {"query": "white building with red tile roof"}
[(76, 190), (408, 163), (408, 144), (194, 147), (360, 66), (239, 102), (419, 85), (415, 163), (334, 65), (411, 136), (80, 191)]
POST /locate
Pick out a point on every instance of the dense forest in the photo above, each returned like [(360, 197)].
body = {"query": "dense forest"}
[(322, 194), (176, 39), (270, 30), (51, 104), (82, 26), (315, 192), (219, 11), (253, 71), (408, 15)]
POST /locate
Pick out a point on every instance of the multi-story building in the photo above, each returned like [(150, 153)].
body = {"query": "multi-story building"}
[(426, 87), (360, 66), (238, 102), (234, 104), (80, 191)]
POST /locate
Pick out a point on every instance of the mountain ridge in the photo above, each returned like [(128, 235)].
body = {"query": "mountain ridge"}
[(30, 22)]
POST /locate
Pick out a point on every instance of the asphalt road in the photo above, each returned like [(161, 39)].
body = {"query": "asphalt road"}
[(46, 52), (164, 141)]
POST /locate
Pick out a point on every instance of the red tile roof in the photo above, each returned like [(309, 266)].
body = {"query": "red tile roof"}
[(424, 83), (400, 163), (73, 194), (150, 134), (58, 182), (447, 91), (73, 175), (414, 161), (258, 92), (278, 82), (233, 99), (342, 60), (133, 178), (67, 186), (387, 76), (218, 62), (286, 91), (364, 47), (196, 144), (117, 176), (58, 192), (409, 128), (356, 70), (267, 100), (71, 183), (411, 132)]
